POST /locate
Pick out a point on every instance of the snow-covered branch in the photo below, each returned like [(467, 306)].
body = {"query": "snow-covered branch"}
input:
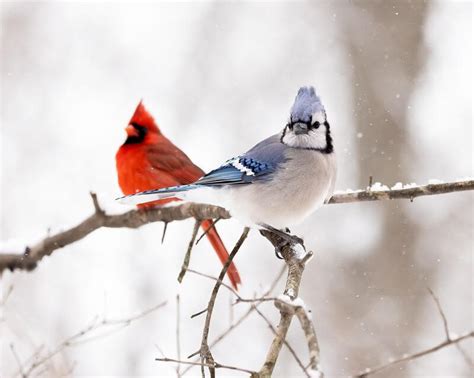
[(289, 304), (377, 191), (28, 259)]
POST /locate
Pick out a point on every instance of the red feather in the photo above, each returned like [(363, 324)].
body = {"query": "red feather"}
[(148, 160)]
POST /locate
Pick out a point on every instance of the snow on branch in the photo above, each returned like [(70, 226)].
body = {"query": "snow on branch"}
[(377, 191), (136, 218)]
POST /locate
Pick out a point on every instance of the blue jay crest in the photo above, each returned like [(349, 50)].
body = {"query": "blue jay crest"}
[(307, 103)]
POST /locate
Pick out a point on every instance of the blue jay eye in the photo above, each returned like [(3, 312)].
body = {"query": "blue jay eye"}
[(315, 125)]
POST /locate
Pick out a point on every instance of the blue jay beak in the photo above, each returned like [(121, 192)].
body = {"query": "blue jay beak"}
[(300, 128)]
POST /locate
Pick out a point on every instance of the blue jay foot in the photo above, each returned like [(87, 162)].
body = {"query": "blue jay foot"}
[(285, 235)]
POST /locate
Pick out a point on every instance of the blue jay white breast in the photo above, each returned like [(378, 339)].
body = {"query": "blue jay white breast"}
[(279, 182)]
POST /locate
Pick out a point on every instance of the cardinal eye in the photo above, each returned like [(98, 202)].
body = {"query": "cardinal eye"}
[(141, 129)]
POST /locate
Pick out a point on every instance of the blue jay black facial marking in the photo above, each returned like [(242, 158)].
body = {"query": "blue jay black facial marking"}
[(329, 146), (141, 133), (309, 124)]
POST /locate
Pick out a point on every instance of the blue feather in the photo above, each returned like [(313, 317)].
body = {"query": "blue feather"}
[(258, 164), (240, 170)]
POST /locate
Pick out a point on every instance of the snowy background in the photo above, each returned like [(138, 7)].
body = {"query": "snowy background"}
[(396, 80)]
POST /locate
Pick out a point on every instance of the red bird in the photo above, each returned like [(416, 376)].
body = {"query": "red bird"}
[(148, 160)]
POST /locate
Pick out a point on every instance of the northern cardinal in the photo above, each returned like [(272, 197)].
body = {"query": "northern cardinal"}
[(148, 160)]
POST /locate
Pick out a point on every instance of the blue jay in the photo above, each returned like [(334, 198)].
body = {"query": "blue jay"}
[(277, 183)]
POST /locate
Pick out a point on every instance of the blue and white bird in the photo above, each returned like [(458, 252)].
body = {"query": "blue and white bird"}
[(277, 183)]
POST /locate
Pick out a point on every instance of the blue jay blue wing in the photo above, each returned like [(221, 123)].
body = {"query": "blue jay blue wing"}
[(240, 170)]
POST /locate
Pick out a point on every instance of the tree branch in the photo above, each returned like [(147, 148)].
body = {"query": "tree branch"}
[(202, 364), (408, 192), (289, 304), (187, 257), (275, 332), (81, 338), (136, 218), (409, 357), (205, 352), (251, 309)]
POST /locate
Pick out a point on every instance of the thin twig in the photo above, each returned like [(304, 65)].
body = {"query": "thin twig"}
[(203, 364), (463, 353), (6, 296), (136, 218), (275, 332), (230, 288), (78, 338), (409, 357), (165, 228), (239, 321), (187, 257), (17, 359), (441, 313), (178, 335), (213, 223), (195, 315), (204, 351), (255, 300), (95, 202)]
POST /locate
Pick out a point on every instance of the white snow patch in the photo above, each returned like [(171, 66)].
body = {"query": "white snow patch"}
[(315, 373), (379, 187), (297, 302), (453, 335), (291, 293), (299, 251), (285, 298), (435, 181), (397, 186)]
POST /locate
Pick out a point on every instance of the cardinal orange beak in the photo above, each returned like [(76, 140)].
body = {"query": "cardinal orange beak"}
[(131, 131)]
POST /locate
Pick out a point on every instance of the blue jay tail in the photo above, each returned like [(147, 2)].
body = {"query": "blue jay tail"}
[(157, 194)]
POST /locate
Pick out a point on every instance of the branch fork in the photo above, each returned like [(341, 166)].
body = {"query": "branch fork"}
[(289, 304)]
